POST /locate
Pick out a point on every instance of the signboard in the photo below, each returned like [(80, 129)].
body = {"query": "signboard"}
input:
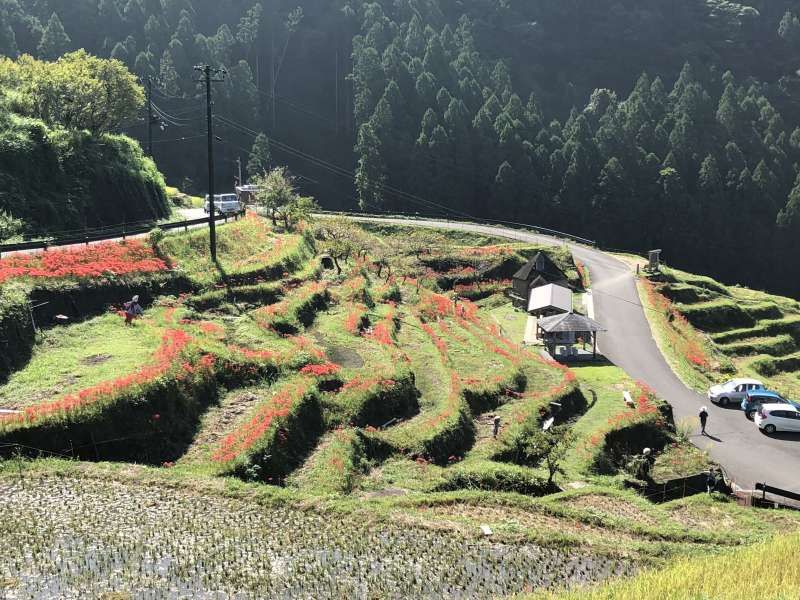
[(655, 260)]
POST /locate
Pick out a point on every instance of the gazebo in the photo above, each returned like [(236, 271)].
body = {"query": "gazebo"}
[(564, 330)]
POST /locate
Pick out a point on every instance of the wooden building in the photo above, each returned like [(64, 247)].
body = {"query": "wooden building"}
[(539, 271), (566, 331)]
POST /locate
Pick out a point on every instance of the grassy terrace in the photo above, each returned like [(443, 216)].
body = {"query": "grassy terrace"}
[(82, 355), (710, 332), (333, 433)]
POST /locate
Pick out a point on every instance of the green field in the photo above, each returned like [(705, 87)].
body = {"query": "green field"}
[(350, 415)]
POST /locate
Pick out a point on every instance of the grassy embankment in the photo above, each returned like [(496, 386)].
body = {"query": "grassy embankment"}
[(710, 332)]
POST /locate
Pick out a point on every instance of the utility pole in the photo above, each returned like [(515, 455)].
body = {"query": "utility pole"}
[(219, 74), (239, 165), (150, 117)]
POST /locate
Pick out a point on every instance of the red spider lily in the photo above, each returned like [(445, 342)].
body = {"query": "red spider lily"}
[(380, 333), (440, 344), (320, 370), (353, 322), (212, 328), (97, 260), (245, 437)]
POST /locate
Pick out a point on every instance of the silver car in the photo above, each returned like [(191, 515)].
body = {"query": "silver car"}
[(733, 391)]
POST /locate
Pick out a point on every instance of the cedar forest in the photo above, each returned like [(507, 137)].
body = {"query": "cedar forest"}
[(636, 123)]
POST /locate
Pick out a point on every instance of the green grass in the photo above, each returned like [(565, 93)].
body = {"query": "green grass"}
[(512, 321), (438, 470), (74, 357), (247, 250), (603, 387)]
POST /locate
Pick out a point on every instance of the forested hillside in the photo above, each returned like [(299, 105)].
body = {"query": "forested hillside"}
[(639, 123)]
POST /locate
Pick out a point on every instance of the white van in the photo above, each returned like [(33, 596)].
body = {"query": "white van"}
[(224, 204)]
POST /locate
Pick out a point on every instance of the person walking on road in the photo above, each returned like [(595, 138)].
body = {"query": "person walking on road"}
[(132, 310), (496, 426), (703, 419)]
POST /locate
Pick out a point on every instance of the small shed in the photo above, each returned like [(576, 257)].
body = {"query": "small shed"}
[(540, 270), (565, 330), (550, 299), (246, 193)]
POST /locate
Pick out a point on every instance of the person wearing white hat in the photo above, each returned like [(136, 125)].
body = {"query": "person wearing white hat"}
[(132, 310), (703, 419)]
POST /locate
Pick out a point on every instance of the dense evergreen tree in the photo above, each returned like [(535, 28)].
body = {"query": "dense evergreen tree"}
[(681, 128)]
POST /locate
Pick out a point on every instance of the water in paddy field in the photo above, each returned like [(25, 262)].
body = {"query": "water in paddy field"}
[(71, 538)]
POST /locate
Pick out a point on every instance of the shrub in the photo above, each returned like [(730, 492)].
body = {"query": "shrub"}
[(716, 315), (498, 477)]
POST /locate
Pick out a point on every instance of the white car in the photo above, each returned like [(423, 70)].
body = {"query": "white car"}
[(733, 391), (224, 204), (778, 417)]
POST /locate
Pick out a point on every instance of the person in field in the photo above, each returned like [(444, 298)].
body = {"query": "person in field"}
[(132, 310)]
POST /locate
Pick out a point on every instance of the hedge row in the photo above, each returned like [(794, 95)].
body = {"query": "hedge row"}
[(790, 325), (286, 443), (768, 367), (16, 330), (375, 402), (716, 315), (151, 424), (777, 345), (496, 477)]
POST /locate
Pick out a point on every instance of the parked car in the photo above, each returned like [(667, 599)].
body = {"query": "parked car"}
[(755, 399), (734, 391), (778, 417), (224, 204)]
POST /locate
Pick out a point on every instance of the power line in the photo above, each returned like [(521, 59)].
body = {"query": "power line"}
[(390, 190), (181, 139)]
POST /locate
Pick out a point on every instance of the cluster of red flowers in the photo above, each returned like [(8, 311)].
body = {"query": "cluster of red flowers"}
[(644, 410), (244, 438), (582, 273), (353, 321), (380, 333), (166, 356), (681, 334), (440, 344), (434, 306), (268, 355), (322, 370), (467, 271), (97, 260)]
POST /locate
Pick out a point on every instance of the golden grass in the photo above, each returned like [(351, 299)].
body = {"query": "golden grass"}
[(767, 571)]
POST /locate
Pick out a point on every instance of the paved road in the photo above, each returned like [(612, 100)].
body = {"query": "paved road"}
[(734, 442)]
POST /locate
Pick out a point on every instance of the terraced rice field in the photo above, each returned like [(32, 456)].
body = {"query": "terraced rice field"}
[(724, 331), (156, 542), (317, 434)]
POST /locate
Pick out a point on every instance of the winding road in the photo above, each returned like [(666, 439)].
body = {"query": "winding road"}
[(747, 455)]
